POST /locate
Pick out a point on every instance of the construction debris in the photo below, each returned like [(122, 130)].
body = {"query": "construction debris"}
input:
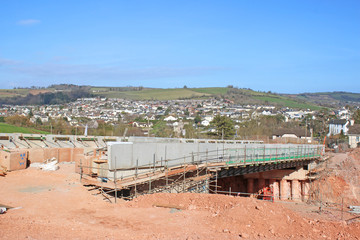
[(2, 171), (48, 165), (2, 210), (355, 209)]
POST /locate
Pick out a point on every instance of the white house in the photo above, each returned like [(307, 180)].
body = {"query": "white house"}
[(336, 126), (354, 136), (205, 123), (170, 118), (292, 133), (209, 118)]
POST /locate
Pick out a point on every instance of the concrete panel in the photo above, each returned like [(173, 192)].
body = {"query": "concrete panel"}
[(5, 159), (77, 153), (36, 155), (14, 160), (18, 160), (51, 153), (120, 155), (65, 154), (84, 162)]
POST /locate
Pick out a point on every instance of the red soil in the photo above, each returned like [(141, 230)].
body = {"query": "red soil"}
[(55, 206)]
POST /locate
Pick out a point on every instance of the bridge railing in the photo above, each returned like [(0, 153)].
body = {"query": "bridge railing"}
[(272, 153)]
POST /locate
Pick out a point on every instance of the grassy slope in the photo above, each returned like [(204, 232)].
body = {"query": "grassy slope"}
[(287, 102), (213, 91), (22, 92), (177, 93), (7, 128), (307, 100), (156, 94), (341, 96)]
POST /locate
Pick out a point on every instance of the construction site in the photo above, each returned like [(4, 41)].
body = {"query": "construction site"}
[(87, 187)]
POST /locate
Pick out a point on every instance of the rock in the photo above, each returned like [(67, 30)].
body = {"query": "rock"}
[(192, 207), (258, 207), (226, 231), (244, 235)]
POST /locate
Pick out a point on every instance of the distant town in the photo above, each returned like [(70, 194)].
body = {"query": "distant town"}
[(184, 118)]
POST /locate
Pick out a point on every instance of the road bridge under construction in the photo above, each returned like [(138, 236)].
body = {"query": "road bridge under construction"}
[(131, 166), (150, 165)]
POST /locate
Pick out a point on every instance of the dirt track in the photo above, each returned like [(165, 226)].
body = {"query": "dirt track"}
[(55, 206)]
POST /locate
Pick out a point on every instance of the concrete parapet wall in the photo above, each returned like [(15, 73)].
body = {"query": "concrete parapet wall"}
[(61, 154), (18, 140), (14, 160), (123, 155)]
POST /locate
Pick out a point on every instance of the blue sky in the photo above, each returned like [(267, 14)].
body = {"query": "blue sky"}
[(280, 46)]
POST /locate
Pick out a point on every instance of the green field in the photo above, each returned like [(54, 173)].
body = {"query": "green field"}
[(153, 94), (286, 102), (7, 128), (212, 91)]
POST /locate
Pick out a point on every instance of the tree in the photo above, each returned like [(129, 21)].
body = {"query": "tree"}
[(160, 129), (197, 119), (224, 126), (357, 116), (190, 132), (38, 121), (18, 120)]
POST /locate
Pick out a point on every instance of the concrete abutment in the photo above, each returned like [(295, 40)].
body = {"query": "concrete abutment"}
[(287, 184)]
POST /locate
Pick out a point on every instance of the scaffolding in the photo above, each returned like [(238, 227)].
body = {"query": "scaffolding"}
[(196, 172)]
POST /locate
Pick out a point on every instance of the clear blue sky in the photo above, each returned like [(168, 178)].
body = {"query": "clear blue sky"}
[(280, 46)]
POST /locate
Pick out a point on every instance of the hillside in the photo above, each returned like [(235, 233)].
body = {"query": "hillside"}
[(329, 98), (59, 94), (149, 93), (238, 96), (55, 94)]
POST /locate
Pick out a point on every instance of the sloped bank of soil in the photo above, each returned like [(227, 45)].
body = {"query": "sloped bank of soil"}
[(249, 218), (340, 180)]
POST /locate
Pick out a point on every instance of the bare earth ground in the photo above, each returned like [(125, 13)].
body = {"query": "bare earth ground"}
[(55, 206)]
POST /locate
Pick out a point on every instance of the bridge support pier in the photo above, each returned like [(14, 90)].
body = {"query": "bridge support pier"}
[(295, 190), (250, 185), (261, 183), (275, 188), (305, 186), (284, 189)]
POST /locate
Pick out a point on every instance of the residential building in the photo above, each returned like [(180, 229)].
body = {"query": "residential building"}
[(336, 126), (354, 136)]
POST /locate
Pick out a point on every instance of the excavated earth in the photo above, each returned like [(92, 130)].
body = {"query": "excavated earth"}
[(54, 205), (340, 179)]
